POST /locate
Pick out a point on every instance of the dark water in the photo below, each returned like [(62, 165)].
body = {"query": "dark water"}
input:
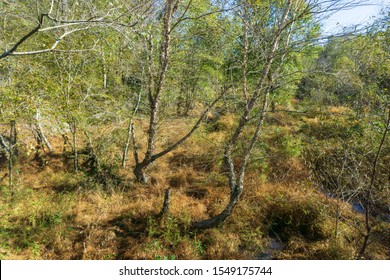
[(358, 207), (274, 246)]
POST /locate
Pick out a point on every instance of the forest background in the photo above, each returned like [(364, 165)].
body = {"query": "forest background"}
[(192, 129)]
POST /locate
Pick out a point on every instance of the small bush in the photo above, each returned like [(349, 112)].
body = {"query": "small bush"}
[(67, 182), (287, 217), (221, 245), (332, 128), (291, 146)]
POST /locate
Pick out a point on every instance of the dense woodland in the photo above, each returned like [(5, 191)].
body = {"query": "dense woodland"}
[(192, 129)]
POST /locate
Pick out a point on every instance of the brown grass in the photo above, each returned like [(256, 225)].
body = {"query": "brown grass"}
[(58, 214)]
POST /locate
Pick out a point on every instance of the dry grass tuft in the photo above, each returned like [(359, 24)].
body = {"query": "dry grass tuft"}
[(182, 178), (221, 246)]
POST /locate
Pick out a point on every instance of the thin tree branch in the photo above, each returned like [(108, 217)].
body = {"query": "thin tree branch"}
[(185, 137), (24, 38), (53, 47), (199, 17)]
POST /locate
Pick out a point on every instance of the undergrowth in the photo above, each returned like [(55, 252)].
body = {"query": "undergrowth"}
[(56, 213)]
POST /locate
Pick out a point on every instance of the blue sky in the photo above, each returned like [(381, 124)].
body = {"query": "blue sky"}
[(358, 15)]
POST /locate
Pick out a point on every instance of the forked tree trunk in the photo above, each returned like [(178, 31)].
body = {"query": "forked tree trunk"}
[(140, 173), (236, 174), (155, 89), (141, 166)]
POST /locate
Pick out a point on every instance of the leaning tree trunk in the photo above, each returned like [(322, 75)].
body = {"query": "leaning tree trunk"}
[(236, 175), (127, 144), (221, 217)]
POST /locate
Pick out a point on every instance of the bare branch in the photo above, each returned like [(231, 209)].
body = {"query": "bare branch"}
[(199, 17), (185, 137), (63, 24), (53, 47), (24, 38)]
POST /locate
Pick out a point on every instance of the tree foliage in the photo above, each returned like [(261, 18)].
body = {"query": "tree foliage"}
[(108, 76)]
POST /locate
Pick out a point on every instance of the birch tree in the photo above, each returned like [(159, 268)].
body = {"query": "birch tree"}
[(170, 16), (270, 33)]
